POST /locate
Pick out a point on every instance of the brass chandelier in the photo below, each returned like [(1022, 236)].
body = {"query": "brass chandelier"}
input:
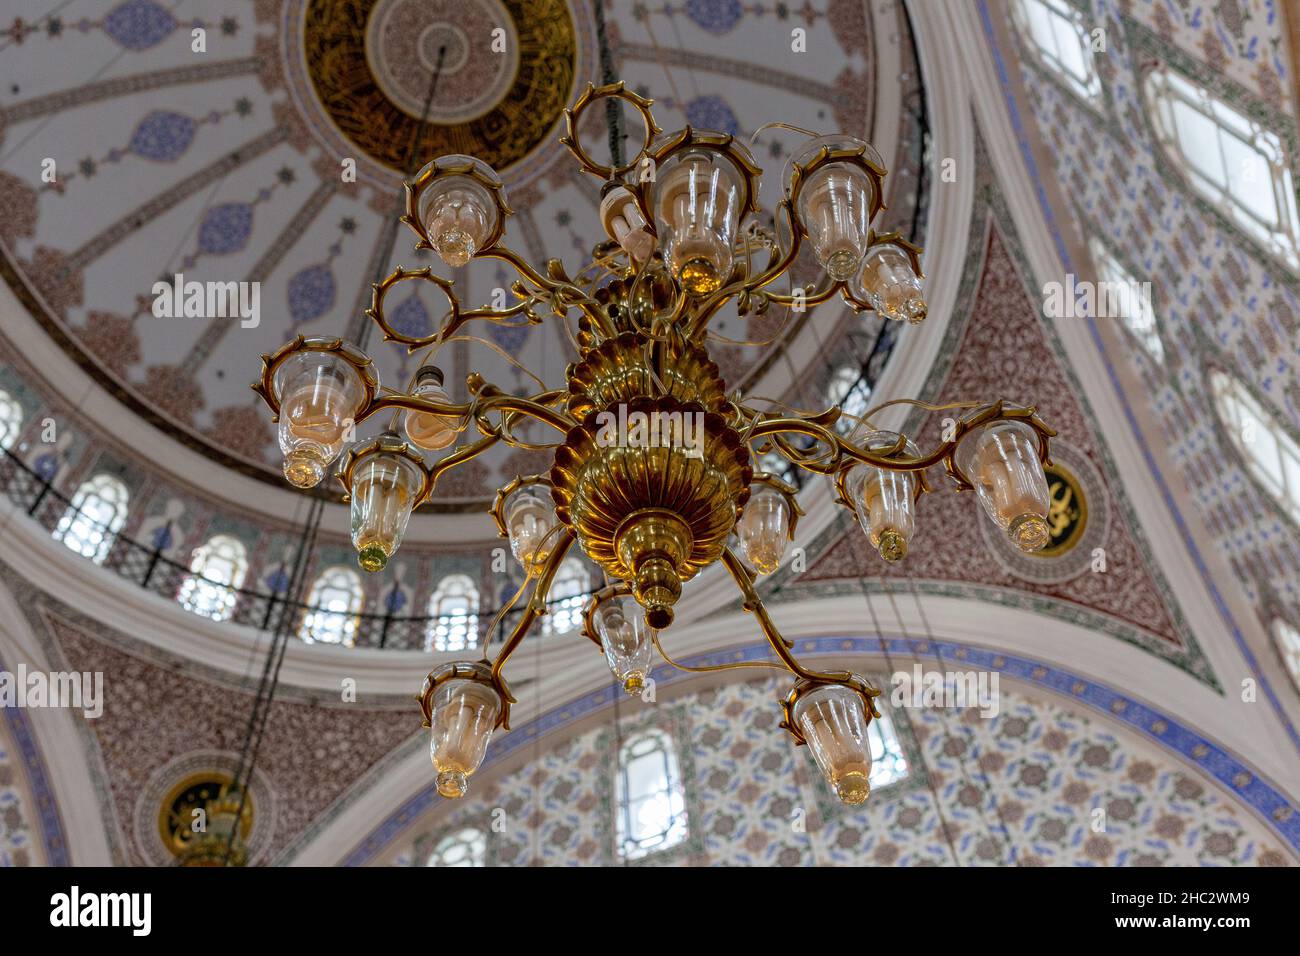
[(653, 473)]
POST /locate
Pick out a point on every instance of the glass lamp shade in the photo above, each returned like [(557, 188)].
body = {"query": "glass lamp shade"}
[(888, 283), (835, 208), (697, 200), (464, 714), (884, 500), (625, 639), (530, 516), (764, 528), (833, 720), (384, 489), (1001, 460), (458, 212), (320, 395), (428, 431)]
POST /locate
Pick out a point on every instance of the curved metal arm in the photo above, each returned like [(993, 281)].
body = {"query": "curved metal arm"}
[(561, 291), (535, 608), (754, 605)]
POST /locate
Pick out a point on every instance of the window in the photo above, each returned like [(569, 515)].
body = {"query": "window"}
[(97, 513), (1272, 455), (1062, 39), (567, 597), (1233, 161), (11, 420), (1132, 298), (453, 615), (649, 796), (216, 573), (466, 847), (888, 764), (1288, 645), (335, 603), (850, 390)]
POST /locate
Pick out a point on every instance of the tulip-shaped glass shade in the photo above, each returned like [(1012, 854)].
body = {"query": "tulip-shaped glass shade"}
[(1001, 460), (764, 528), (888, 283), (464, 714), (320, 395), (835, 208), (625, 639), (529, 517), (458, 212), (884, 500), (384, 490), (833, 721), (425, 429), (697, 207)]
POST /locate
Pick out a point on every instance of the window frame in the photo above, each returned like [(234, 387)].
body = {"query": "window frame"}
[(12, 417), (76, 521), (1145, 330), (673, 789), (1089, 87), (1231, 397), (442, 627), (477, 843), (214, 596), (317, 612), (568, 607)]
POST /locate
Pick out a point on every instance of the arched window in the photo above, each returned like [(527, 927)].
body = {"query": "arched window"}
[(1272, 455), (216, 573), (566, 598), (888, 763), (11, 420), (1288, 645), (1127, 295), (97, 513), (649, 796), (1063, 41), (1229, 158), (850, 390), (335, 602), (467, 847), (453, 615)]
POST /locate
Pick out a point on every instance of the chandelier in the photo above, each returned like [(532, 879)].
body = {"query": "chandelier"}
[(653, 472)]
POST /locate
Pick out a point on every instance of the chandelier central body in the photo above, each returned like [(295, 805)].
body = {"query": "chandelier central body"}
[(652, 472)]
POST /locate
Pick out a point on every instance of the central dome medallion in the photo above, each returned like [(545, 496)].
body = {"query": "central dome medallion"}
[(507, 70)]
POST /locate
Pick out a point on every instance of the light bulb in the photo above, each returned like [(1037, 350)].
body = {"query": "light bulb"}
[(626, 641), (888, 283), (425, 429), (884, 500), (530, 516), (697, 202), (384, 490), (764, 528), (624, 223), (1001, 460), (833, 720), (458, 212), (320, 395), (464, 714)]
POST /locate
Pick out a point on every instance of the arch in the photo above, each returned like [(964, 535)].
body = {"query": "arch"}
[(464, 847), (650, 799), (96, 515), (335, 604), (453, 615), (11, 420), (1271, 455), (566, 598), (216, 574)]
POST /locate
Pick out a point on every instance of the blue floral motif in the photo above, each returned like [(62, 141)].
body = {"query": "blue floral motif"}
[(226, 228), (396, 599), (410, 318), (163, 136), (311, 293), (716, 16), (277, 580), (509, 337), (139, 24), (712, 112)]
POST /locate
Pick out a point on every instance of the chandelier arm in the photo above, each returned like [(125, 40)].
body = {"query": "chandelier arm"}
[(816, 297), (490, 401), (462, 454), (783, 648), (561, 291), (709, 668), (535, 608)]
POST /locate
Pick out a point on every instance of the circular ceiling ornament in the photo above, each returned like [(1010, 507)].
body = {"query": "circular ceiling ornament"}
[(508, 69)]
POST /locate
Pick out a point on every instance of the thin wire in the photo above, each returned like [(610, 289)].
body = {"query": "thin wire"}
[(708, 668)]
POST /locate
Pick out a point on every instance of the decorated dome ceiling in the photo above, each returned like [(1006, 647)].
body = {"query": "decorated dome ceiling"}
[(128, 155)]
